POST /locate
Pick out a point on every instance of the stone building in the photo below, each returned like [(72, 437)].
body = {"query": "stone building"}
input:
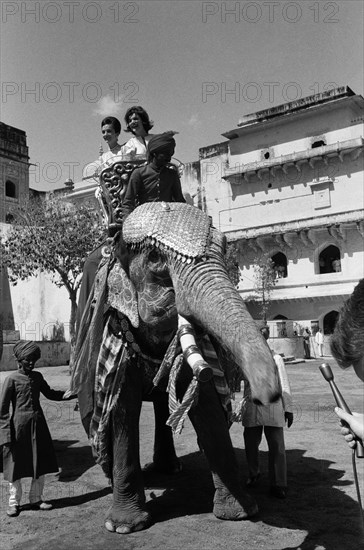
[(14, 170), (288, 185), (30, 309)]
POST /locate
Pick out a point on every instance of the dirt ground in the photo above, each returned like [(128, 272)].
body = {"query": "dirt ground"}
[(320, 513)]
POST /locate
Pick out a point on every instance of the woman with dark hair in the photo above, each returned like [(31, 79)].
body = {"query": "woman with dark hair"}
[(110, 130), (138, 123), (135, 114)]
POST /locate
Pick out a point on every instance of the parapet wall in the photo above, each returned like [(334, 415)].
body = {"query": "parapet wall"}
[(54, 354), (293, 347)]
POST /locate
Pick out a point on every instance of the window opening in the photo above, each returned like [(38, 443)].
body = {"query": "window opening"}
[(280, 265), (329, 260), (10, 189), (318, 143)]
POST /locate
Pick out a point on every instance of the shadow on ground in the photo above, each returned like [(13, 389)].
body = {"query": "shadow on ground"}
[(315, 506), (314, 493), (73, 460)]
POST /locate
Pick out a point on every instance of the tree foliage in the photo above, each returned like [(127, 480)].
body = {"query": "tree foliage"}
[(54, 237), (264, 283), (232, 263)]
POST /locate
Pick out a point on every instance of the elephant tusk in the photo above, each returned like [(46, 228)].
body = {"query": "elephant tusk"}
[(191, 353)]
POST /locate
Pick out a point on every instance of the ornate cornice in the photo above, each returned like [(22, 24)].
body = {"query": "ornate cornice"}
[(306, 226), (238, 174)]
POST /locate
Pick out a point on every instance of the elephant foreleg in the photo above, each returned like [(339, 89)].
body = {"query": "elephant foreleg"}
[(231, 502), (164, 456), (127, 513)]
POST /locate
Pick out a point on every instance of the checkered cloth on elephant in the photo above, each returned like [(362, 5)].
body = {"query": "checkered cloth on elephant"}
[(110, 372), (219, 369), (222, 368), (117, 350)]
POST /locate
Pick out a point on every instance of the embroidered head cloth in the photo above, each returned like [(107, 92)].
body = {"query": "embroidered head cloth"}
[(176, 227)]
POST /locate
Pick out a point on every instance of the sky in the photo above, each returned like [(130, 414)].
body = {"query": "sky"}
[(196, 66)]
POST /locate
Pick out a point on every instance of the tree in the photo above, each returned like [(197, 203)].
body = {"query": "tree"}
[(232, 263), (54, 237), (264, 283)]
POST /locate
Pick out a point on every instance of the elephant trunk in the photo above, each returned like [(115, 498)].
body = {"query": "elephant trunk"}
[(206, 296)]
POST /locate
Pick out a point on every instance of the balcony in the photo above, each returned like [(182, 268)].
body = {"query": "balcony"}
[(238, 174), (285, 232)]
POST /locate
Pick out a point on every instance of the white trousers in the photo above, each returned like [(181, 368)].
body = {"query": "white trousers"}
[(35, 492)]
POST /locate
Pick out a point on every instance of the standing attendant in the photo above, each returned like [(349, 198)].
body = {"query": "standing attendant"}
[(271, 419), (24, 435), (319, 339), (306, 343)]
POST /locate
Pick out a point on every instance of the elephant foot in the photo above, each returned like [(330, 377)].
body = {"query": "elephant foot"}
[(162, 468), (227, 507), (125, 523)]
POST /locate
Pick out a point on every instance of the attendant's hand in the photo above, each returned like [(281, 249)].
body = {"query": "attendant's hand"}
[(69, 395), (288, 418), (355, 422)]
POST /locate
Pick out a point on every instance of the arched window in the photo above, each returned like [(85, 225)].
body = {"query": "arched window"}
[(280, 317), (10, 189), (280, 265), (330, 322), (330, 260)]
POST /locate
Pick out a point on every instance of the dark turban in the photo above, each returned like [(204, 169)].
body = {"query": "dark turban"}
[(162, 143), (24, 349)]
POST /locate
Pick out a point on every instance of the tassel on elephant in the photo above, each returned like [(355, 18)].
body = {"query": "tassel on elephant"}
[(172, 290)]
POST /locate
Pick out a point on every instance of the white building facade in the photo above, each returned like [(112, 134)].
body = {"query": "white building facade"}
[(288, 185)]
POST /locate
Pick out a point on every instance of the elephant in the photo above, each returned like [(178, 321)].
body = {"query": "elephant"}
[(163, 289)]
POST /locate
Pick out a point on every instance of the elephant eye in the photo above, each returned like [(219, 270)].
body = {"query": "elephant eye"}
[(154, 257), (158, 269), (157, 263)]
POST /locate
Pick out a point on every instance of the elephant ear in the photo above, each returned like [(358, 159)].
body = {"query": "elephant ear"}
[(122, 295), (173, 227)]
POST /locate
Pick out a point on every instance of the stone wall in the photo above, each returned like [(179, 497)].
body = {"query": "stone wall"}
[(54, 354), (293, 347), (289, 347)]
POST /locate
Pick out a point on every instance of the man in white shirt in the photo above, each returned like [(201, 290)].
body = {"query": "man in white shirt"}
[(319, 339), (271, 419)]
